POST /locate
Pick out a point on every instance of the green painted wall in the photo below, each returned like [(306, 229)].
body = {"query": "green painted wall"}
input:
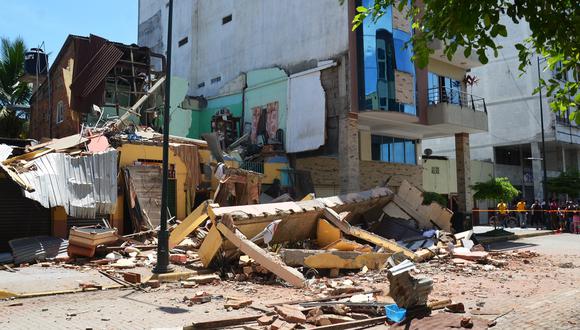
[(203, 117), (181, 119), (266, 86)]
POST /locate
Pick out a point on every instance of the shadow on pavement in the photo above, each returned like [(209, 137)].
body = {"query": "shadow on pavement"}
[(510, 245)]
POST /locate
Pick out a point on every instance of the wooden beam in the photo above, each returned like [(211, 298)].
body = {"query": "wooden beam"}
[(223, 322), (188, 225), (381, 241), (355, 324), (341, 296), (321, 259), (339, 220), (210, 246), (289, 274)]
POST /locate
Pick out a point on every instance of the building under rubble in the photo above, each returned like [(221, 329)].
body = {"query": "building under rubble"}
[(348, 107)]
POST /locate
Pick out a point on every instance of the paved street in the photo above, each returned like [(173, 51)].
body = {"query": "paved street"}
[(533, 293)]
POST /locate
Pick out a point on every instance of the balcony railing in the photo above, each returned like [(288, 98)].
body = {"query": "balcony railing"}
[(455, 96)]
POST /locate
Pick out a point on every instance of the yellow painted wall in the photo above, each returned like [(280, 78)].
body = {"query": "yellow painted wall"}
[(365, 145), (272, 171), (445, 181), (446, 69), (131, 152)]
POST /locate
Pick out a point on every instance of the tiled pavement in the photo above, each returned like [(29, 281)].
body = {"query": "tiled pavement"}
[(557, 310)]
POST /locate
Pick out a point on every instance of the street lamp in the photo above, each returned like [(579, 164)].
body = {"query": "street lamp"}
[(545, 180), (162, 265)]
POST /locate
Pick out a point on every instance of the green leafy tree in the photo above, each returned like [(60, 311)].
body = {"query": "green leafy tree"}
[(430, 196), (13, 93), (497, 189), (473, 26), (566, 183)]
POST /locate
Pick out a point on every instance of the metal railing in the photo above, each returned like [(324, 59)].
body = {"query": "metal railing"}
[(454, 96), (253, 166)]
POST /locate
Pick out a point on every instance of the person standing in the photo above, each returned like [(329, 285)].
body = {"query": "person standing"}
[(536, 211), (502, 211), (521, 211)]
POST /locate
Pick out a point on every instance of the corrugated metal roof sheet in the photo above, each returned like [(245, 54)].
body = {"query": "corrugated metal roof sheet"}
[(85, 186), (37, 248), (5, 152)]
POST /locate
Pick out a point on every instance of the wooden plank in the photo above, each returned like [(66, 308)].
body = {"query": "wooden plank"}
[(339, 220), (223, 322), (320, 259), (355, 324), (381, 241), (290, 275), (210, 246), (341, 296), (188, 225)]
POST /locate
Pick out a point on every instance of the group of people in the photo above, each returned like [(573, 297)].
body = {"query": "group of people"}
[(551, 215)]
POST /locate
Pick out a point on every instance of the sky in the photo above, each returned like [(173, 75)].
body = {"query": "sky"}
[(38, 21)]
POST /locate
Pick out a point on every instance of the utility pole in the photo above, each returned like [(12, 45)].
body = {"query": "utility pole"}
[(162, 265), (545, 180)]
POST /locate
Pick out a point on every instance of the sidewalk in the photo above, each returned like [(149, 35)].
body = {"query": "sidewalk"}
[(517, 233)]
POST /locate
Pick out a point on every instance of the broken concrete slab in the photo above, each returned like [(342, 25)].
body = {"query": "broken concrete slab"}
[(321, 259), (290, 314), (290, 275)]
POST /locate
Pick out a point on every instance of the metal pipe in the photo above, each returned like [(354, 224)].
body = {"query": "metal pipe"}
[(162, 265), (545, 181)]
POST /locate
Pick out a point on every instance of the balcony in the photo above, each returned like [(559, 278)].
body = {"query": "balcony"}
[(454, 111), (458, 59)]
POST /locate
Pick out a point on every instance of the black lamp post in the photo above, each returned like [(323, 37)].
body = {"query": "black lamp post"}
[(162, 265), (545, 179)]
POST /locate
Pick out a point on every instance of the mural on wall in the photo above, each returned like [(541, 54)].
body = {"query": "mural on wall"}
[(389, 73), (264, 123)]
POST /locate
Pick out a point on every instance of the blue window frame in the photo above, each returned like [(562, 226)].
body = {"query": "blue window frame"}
[(393, 150)]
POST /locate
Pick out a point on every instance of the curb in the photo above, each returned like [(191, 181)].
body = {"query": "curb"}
[(487, 240)]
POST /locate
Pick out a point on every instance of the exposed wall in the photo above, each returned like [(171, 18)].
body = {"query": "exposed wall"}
[(440, 176), (201, 119), (295, 31), (325, 174), (264, 87), (42, 120)]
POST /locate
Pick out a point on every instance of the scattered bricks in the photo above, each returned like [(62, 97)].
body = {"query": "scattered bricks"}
[(497, 263), (313, 315), (267, 319), (132, 277), (153, 284), (334, 319), (290, 314), (203, 279), (466, 322), (282, 325), (179, 259), (455, 308), (338, 309), (188, 284), (237, 303), (200, 297)]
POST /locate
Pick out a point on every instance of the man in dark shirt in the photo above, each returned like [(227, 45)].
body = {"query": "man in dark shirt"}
[(537, 215)]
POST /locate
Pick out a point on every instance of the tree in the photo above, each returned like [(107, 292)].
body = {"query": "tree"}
[(497, 189), (566, 183), (13, 93), (472, 26)]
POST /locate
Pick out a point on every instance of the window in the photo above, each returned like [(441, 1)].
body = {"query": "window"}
[(201, 84), (443, 89), (59, 112), (393, 150), (182, 42), (507, 155), (216, 79), (227, 19)]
